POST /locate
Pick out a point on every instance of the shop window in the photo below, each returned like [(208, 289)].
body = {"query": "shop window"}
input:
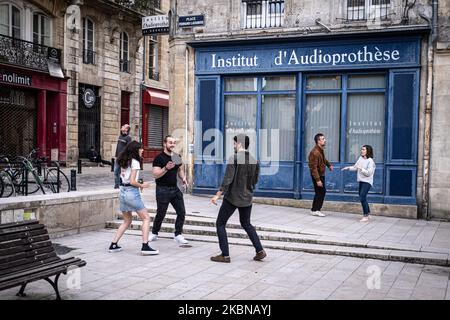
[(124, 53), (264, 109), (241, 84), (322, 114), (262, 14), (365, 111), (10, 21), (277, 141), (240, 118), (88, 41)]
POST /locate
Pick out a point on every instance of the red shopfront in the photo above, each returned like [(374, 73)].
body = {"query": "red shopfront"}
[(33, 113), (155, 117)]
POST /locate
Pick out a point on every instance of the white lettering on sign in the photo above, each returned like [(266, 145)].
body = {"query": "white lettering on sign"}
[(234, 61), (317, 56)]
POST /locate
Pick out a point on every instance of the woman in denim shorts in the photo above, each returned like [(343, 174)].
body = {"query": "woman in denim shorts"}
[(130, 197)]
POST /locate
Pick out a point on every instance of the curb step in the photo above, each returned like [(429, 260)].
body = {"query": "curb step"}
[(209, 222), (297, 242), (365, 253)]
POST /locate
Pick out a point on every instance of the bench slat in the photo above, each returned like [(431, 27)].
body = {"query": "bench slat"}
[(33, 277), (24, 247), (13, 243), (30, 272), (25, 254), (18, 224), (30, 264), (22, 235), (17, 263), (14, 229)]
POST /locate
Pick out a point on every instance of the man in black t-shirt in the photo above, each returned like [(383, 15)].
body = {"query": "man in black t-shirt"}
[(167, 166)]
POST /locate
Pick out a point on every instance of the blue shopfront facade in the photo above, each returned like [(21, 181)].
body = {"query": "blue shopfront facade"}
[(355, 91)]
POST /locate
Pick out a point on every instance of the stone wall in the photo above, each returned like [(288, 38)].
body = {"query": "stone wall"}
[(64, 213)]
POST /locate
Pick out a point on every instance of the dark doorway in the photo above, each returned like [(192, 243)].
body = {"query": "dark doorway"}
[(89, 105), (18, 121)]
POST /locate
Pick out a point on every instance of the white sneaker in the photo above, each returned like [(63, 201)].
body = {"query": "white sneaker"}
[(318, 213), (180, 240), (153, 237)]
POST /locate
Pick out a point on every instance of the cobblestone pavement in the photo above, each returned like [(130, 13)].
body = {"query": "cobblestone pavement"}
[(187, 273)]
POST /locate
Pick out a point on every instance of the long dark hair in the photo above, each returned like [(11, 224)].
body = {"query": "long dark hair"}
[(130, 152), (369, 151)]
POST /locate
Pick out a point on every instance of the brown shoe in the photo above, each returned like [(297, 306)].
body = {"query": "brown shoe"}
[(260, 255), (221, 258)]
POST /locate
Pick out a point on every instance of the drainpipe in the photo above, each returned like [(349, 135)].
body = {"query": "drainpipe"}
[(186, 108), (428, 112)]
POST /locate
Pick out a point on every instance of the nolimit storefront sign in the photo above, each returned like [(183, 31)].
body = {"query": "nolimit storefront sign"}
[(309, 56), (14, 78)]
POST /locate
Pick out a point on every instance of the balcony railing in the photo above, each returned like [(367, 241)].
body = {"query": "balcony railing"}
[(362, 10), (263, 13), (125, 65), (27, 54), (88, 56)]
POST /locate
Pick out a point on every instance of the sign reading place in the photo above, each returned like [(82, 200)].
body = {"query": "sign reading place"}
[(190, 21), (155, 25)]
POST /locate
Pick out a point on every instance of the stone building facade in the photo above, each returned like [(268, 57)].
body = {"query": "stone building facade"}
[(284, 60), (82, 97)]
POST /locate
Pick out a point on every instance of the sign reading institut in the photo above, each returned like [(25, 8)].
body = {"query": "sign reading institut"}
[(155, 25), (300, 57)]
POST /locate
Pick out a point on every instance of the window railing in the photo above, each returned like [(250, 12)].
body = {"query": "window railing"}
[(125, 65), (263, 13), (26, 54), (89, 56), (362, 10)]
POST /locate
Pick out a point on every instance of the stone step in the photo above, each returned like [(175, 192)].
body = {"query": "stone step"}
[(365, 253), (282, 240), (203, 221)]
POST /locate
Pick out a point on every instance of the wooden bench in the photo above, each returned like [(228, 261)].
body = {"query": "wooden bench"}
[(27, 255)]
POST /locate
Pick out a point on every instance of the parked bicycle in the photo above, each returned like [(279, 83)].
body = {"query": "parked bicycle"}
[(29, 174)]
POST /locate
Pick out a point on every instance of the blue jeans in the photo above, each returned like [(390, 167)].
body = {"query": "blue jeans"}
[(116, 174), (364, 188), (225, 212)]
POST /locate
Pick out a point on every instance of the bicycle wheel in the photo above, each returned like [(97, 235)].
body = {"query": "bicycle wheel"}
[(7, 182), (34, 183), (52, 178)]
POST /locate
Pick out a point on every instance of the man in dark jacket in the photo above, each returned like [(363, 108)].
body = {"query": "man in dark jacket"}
[(122, 142), (317, 163), (240, 179)]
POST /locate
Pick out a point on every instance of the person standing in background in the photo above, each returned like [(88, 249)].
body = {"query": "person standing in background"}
[(122, 142)]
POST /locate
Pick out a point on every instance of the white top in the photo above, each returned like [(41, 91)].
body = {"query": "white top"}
[(125, 174), (368, 169)]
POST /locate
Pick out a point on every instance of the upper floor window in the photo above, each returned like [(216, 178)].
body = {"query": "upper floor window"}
[(262, 13), (153, 70), (41, 29), (10, 24), (367, 9), (88, 41), (124, 53)]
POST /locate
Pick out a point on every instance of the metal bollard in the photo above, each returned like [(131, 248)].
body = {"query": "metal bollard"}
[(79, 166), (73, 180), (112, 164)]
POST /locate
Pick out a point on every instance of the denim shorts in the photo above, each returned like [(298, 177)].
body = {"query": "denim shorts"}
[(130, 199)]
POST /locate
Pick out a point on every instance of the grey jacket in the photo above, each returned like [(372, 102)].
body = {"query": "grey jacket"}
[(241, 177)]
